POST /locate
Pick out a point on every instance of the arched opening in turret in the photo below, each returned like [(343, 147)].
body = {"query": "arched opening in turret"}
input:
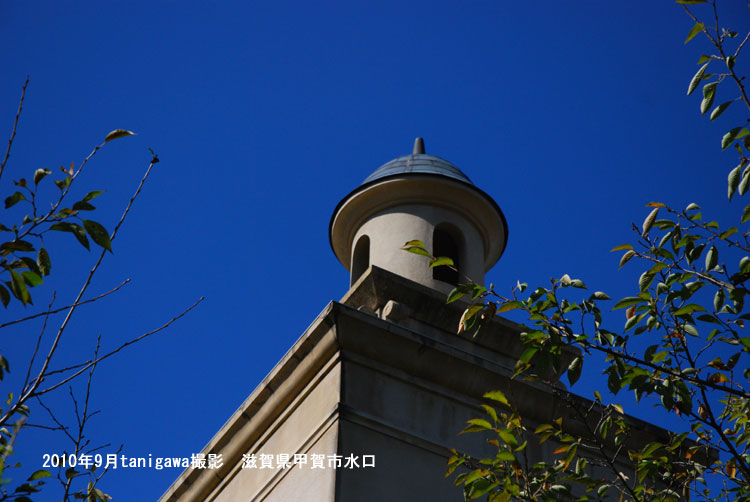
[(360, 258), (446, 241)]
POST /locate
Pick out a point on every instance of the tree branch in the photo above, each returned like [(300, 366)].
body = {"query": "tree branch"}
[(55, 311), (15, 126), (83, 367)]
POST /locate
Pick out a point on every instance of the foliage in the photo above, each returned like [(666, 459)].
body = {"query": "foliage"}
[(25, 261), (683, 348)]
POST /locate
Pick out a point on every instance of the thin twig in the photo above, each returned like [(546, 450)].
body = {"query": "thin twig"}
[(15, 126), (63, 194), (54, 419), (43, 372), (88, 280), (60, 309), (718, 44), (739, 48), (88, 364), (38, 341), (84, 417)]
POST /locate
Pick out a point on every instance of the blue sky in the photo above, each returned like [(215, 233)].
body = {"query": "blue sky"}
[(572, 116)]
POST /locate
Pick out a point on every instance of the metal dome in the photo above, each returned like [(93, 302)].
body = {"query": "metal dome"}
[(418, 163)]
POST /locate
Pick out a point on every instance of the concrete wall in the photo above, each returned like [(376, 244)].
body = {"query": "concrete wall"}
[(308, 427), (358, 384), (391, 228)]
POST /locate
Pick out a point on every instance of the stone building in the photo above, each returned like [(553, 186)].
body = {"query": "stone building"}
[(380, 377)]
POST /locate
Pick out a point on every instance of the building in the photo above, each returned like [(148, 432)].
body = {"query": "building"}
[(381, 377)]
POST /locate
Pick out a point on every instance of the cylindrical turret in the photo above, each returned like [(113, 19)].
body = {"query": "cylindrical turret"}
[(419, 197)]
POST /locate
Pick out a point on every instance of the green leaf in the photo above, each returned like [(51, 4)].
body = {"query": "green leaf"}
[(40, 474), (43, 261), (98, 234), (480, 422), (689, 309), (31, 278), (478, 291), (744, 184), (645, 280), (578, 283), (83, 206), (692, 206), (508, 306), (416, 249), (116, 134), (507, 436), (709, 93), (14, 199), (694, 31), (712, 258), (18, 287), (527, 354), (481, 487), (441, 261), (4, 367), (22, 246), (734, 134), (574, 370), (75, 229), (498, 396), (490, 412), (733, 181), (690, 329), (4, 296), (649, 221), (600, 295), (505, 456), (627, 302), (728, 232), (97, 193), (30, 264), (626, 257), (622, 247), (40, 174), (719, 110), (455, 295), (64, 183), (613, 381), (696, 79), (718, 299)]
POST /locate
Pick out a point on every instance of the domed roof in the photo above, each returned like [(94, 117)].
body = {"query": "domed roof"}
[(418, 162), (418, 179)]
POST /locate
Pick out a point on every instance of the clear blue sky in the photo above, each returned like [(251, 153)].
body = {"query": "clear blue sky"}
[(572, 115)]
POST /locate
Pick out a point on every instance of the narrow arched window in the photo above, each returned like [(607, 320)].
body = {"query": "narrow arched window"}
[(445, 242), (360, 258)]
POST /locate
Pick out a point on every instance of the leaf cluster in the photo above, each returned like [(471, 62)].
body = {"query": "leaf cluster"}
[(681, 347)]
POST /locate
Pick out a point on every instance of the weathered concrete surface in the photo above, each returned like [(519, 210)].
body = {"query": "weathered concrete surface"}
[(358, 384)]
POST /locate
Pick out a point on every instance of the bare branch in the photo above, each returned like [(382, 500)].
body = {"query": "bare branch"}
[(55, 311), (83, 367), (31, 391), (59, 424), (739, 48), (15, 126), (38, 342)]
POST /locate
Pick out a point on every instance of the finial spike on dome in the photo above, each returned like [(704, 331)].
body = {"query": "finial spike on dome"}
[(418, 147)]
